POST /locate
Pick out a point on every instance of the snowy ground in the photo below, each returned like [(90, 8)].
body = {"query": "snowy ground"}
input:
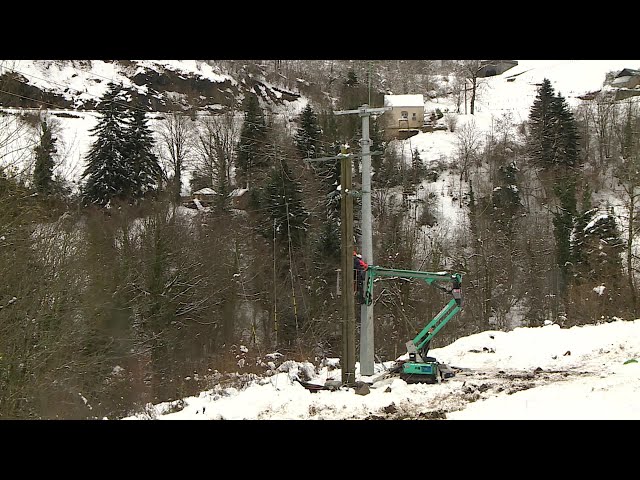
[(587, 372)]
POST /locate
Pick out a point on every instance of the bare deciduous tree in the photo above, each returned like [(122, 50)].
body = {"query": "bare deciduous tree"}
[(469, 70), (629, 175), (469, 140), (602, 113), (176, 146), (214, 150)]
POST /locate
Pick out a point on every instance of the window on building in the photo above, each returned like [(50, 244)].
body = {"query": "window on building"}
[(404, 114)]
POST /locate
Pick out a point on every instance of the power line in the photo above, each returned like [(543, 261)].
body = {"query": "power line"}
[(57, 107), (71, 88)]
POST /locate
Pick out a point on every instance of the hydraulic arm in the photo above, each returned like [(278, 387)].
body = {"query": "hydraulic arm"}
[(419, 365)]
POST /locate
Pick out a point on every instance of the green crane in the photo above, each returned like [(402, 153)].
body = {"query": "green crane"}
[(420, 367)]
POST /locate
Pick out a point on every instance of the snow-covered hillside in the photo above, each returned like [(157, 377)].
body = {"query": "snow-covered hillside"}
[(72, 88), (80, 83), (504, 99)]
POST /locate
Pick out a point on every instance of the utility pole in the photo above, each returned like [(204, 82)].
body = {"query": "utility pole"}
[(465, 96), (366, 311), (348, 306), (346, 229)]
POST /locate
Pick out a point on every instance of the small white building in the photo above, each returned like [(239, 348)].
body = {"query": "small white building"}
[(407, 113)]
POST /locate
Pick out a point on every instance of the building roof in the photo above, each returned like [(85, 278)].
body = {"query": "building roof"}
[(513, 63), (238, 192), (628, 72), (205, 191), (404, 100)]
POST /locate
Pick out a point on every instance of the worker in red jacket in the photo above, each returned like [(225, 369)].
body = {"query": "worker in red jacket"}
[(359, 272)]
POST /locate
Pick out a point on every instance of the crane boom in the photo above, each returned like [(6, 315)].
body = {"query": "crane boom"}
[(420, 365)]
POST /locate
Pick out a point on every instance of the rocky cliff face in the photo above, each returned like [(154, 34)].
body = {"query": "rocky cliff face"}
[(157, 86)]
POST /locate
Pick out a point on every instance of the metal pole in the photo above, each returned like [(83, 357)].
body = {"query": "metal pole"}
[(366, 311)]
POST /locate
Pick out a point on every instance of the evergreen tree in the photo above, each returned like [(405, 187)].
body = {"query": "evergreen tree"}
[(553, 139), (352, 95), (222, 201), (597, 247), (251, 145), (145, 169), (307, 137), (352, 79), (329, 238), (563, 222), (506, 199), (283, 200), (418, 168), (329, 138), (329, 145), (198, 180), (553, 144), (608, 262), (582, 219), (108, 174), (44, 151), (564, 133), (376, 136), (541, 122)]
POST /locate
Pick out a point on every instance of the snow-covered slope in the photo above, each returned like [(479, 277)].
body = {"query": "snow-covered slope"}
[(503, 101), (78, 84), (585, 372), (68, 91)]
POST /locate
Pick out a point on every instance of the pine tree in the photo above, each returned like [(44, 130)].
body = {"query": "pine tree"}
[(352, 79), (44, 151), (352, 95), (598, 241), (418, 169), (329, 145), (283, 200), (564, 133), (307, 136), (376, 136), (506, 199), (143, 163), (107, 174), (554, 132), (563, 222), (329, 241), (222, 201), (253, 133), (553, 144), (541, 122), (583, 217)]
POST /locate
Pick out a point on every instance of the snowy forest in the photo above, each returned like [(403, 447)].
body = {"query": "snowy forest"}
[(115, 294)]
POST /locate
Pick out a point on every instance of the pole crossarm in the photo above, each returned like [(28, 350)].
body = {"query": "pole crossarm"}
[(338, 157), (362, 111)]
